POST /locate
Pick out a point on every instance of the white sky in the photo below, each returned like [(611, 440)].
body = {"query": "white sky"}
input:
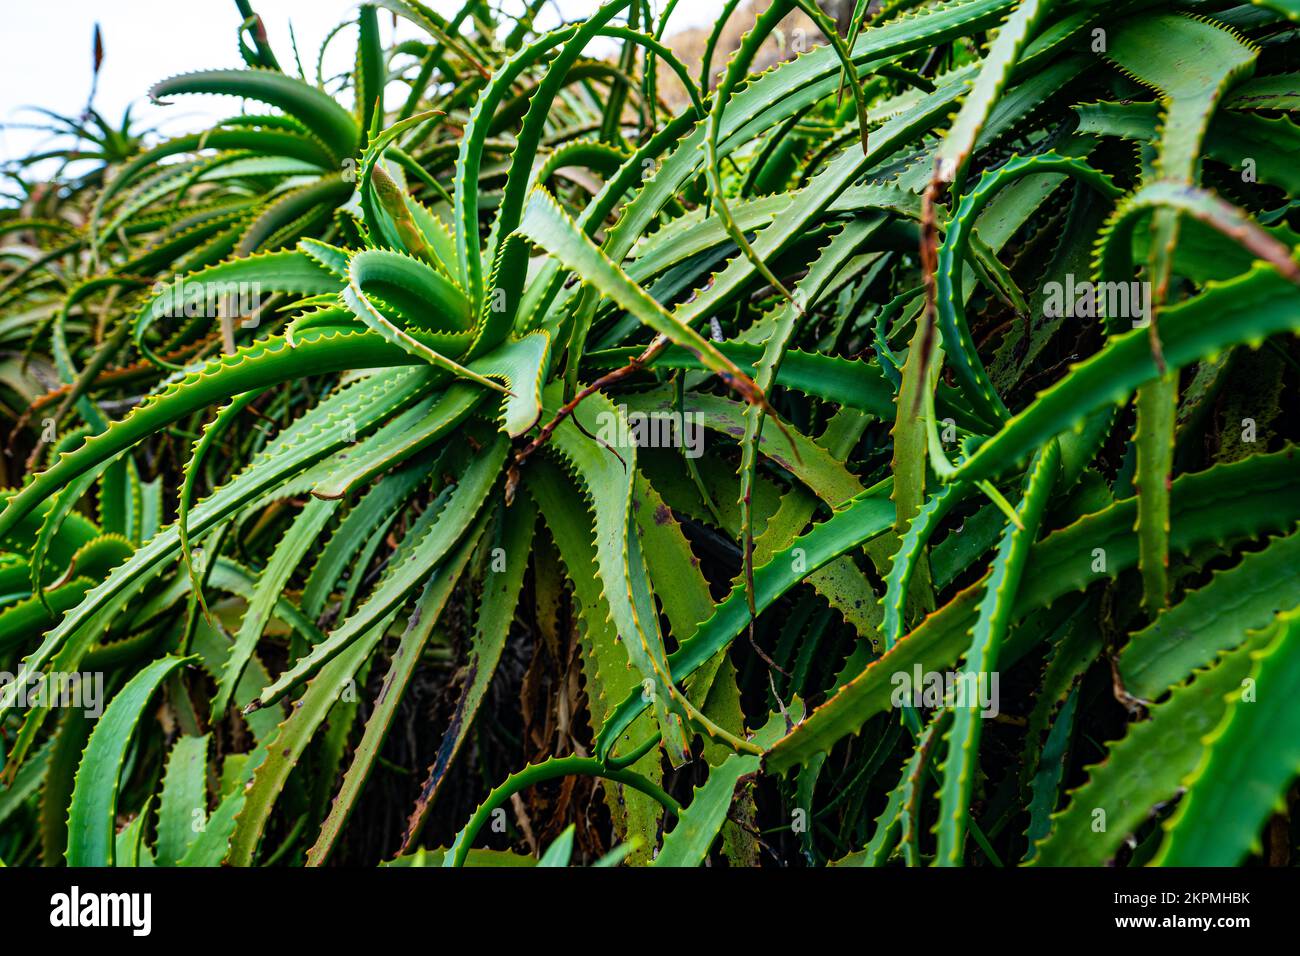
[(45, 52)]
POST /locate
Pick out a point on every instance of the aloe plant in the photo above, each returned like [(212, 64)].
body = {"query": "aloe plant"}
[(882, 457)]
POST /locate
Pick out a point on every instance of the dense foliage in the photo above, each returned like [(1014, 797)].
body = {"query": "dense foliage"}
[(882, 457)]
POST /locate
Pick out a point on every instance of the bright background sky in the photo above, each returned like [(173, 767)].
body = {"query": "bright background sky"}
[(45, 52)]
